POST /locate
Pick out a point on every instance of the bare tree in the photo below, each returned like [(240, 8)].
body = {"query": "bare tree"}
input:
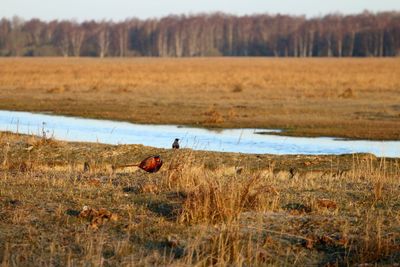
[(61, 37), (365, 34), (76, 35), (5, 30), (122, 33), (103, 38), (34, 28), (17, 37)]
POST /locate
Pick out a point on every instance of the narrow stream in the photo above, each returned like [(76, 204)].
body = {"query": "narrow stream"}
[(162, 136)]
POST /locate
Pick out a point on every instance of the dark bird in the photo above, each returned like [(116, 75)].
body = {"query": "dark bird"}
[(175, 144), (150, 164)]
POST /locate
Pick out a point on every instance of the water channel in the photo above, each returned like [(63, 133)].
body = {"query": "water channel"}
[(255, 141)]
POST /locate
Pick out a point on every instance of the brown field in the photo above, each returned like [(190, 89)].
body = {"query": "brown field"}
[(201, 208), (355, 98)]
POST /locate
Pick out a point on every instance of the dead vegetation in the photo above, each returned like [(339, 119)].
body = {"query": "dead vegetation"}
[(355, 98), (339, 210)]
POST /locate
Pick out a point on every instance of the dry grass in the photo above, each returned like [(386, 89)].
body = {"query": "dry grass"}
[(202, 208), (224, 199), (357, 98)]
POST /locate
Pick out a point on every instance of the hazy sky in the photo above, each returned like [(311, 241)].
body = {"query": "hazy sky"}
[(121, 9)]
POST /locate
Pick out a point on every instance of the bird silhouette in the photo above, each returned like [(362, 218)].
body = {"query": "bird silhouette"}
[(150, 164), (175, 144)]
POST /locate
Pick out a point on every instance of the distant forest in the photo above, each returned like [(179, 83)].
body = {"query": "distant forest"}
[(335, 35)]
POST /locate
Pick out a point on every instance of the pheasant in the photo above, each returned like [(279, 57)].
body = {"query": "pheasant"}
[(150, 164)]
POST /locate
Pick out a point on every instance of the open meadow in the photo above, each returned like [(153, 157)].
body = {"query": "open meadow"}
[(64, 204), (201, 208), (355, 98)]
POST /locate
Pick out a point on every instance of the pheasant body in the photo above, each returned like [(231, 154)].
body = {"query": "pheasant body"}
[(150, 164)]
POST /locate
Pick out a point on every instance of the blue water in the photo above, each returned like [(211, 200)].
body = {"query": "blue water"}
[(162, 136)]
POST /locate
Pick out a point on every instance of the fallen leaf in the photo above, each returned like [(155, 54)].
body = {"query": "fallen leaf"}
[(308, 243), (326, 203), (262, 255), (94, 181), (150, 188), (97, 217)]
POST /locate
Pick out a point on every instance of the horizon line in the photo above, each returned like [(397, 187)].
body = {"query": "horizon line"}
[(196, 14)]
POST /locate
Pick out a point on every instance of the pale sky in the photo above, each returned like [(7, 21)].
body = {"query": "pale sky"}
[(121, 9)]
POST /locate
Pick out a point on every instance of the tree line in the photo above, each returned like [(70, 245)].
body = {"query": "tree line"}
[(334, 35)]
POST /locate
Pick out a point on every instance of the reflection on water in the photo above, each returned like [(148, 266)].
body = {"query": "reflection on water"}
[(162, 136)]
